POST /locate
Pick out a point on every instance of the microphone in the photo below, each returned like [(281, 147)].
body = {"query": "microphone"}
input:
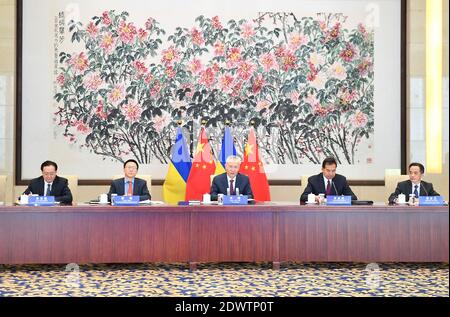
[(334, 186), (423, 188)]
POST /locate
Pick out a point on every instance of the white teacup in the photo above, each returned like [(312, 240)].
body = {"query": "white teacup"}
[(311, 198), (206, 198), (23, 199), (401, 199), (103, 199)]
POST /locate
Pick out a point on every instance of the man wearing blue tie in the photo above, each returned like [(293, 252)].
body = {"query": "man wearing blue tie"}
[(415, 185), (130, 185), (327, 182)]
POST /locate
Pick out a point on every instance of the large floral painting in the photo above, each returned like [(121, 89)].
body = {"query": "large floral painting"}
[(305, 82)]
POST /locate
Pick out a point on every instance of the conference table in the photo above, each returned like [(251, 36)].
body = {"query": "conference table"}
[(269, 232)]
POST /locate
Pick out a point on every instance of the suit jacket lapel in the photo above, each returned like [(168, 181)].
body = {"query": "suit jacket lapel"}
[(121, 186), (54, 186), (423, 185), (427, 187), (339, 185), (322, 187), (408, 188), (238, 183), (225, 182), (41, 191), (135, 185)]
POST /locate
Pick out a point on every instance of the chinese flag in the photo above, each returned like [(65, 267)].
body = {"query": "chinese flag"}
[(203, 166), (254, 169)]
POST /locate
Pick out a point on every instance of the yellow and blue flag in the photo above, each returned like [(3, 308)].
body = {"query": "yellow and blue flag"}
[(174, 187), (226, 150)]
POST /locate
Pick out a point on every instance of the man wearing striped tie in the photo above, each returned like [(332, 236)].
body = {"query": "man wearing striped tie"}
[(415, 185), (130, 185)]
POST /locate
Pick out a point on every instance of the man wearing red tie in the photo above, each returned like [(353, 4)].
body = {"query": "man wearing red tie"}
[(130, 185), (327, 182)]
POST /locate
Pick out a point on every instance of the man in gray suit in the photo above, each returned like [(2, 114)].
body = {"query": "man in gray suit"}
[(130, 185)]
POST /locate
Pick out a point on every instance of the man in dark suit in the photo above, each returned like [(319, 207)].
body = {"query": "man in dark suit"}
[(50, 184), (327, 182), (130, 185), (231, 179), (415, 185)]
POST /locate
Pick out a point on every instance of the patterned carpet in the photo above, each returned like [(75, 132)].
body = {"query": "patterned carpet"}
[(232, 279)]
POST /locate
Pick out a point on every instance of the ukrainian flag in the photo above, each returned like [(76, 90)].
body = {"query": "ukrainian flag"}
[(226, 150), (174, 187)]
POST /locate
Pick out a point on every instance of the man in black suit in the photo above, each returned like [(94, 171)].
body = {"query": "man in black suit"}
[(232, 179), (130, 185), (50, 184), (415, 185), (327, 182)]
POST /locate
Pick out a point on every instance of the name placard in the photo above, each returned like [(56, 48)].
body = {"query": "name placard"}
[(41, 201), (431, 201), (235, 200), (126, 200), (339, 200)]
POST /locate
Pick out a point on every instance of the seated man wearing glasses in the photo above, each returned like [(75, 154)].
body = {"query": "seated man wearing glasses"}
[(130, 185)]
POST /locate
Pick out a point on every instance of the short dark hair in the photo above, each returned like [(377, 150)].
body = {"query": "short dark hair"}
[(131, 160), (49, 163), (328, 161), (420, 166)]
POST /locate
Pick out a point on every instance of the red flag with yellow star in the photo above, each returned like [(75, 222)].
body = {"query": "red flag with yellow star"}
[(203, 166), (254, 169)]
